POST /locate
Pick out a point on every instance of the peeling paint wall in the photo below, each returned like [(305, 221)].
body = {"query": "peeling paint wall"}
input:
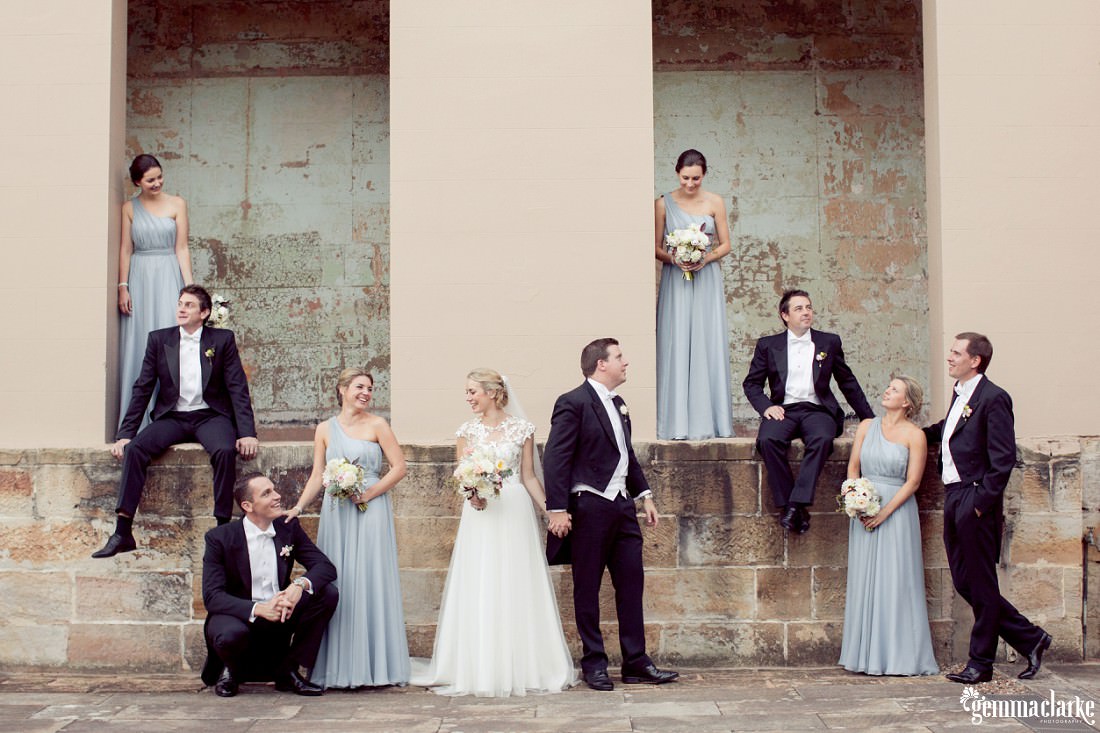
[(272, 120), (811, 118)]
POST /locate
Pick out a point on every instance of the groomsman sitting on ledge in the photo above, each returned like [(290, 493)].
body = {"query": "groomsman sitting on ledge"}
[(203, 396), (798, 365), (260, 625)]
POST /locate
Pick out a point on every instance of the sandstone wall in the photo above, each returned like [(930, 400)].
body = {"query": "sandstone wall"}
[(725, 587)]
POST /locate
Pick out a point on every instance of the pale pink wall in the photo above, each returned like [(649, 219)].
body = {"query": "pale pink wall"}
[(1013, 119), (62, 74), (521, 131)]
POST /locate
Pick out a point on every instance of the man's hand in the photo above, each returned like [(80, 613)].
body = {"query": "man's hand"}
[(269, 610), (287, 600), (560, 523), (650, 511), (248, 447), (118, 448), (775, 412)]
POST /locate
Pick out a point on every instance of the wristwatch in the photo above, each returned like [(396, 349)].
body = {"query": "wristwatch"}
[(301, 583)]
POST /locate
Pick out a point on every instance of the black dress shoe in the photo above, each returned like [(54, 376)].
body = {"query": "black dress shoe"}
[(226, 686), (294, 682), (788, 518), (803, 525), (648, 675), (116, 543), (970, 676), (211, 670), (599, 680), (1035, 659)]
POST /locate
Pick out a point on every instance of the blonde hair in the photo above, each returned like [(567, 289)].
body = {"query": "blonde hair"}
[(348, 376), (914, 394), (491, 381)]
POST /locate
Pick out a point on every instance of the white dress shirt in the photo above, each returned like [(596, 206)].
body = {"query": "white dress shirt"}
[(262, 562), (964, 390), (190, 398), (800, 370)]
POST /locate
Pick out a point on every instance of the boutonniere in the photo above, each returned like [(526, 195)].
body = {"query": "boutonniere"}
[(209, 353), (287, 549), (967, 412), (821, 356), (623, 410)]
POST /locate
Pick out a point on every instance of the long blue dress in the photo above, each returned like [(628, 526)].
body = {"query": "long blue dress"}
[(693, 356), (154, 283), (886, 614), (365, 644)]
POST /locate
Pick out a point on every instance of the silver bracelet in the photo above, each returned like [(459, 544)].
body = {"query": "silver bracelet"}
[(124, 285)]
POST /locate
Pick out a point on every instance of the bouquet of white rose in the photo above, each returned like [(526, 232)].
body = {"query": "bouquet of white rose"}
[(342, 479), (481, 472), (858, 498), (219, 312), (688, 246)]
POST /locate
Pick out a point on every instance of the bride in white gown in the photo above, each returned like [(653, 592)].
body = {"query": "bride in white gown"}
[(499, 632)]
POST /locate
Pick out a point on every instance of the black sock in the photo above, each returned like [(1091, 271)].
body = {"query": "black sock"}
[(124, 526)]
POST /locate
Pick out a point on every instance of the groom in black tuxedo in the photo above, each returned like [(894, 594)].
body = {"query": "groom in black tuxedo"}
[(260, 624), (977, 455), (592, 480), (798, 366), (203, 396)]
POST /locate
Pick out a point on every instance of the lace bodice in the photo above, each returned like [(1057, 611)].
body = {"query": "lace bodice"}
[(508, 437)]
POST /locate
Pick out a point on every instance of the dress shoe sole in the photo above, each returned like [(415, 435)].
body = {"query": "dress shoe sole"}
[(1040, 649), (222, 692), (306, 691), (968, 681)]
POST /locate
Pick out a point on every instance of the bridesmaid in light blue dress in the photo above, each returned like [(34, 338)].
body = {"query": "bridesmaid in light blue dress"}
[(886, 628), (693, 360), (153, 264), (365, 645)]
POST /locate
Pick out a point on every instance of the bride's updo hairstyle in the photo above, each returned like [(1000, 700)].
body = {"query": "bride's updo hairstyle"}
[(493, 384), (914, 394), (690, 157), (348, 376)]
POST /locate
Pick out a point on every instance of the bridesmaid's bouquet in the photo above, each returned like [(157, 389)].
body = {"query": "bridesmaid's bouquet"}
[(481, 472), (688, 246), (342, 479), (859, 498)]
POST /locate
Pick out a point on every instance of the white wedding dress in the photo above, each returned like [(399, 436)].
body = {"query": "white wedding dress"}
[(499, 632)]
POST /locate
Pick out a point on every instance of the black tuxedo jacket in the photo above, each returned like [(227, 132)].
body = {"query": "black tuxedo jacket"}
[(983, 444), (769, 363), (227, 573), (581, 448), (224, 385)]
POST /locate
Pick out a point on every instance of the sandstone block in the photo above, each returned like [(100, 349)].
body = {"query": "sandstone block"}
[(783, 594), (1090, 472), (194, 647), (421, 639), (134, 596), (1044, 539), (709, 594), (422, 591), (1029, 489), (661, 544), (726, 644), (932, 547), (811, 643), (425, 542), (1067, 488), (427, 492), (733, 540), (44, 543), (66, 490), (16, 490), (945, 633), (35, 598), (12, 456), (930, 492), (683, 451), (706, 487), (830, 586), (136, 647), (35, 645), (825, 544), (939, 591), (1039, 590)]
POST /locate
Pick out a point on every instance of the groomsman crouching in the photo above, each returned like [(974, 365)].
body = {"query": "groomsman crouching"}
[(260, 625)]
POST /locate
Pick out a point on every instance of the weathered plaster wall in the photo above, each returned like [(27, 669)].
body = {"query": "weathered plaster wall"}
[(811, 118), (724, 585), (271, 119)]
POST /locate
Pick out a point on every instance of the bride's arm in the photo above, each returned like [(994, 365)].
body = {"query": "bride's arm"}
[(313, 484), (527, 475)]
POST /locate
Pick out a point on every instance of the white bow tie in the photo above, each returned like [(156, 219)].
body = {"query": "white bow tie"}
[(803, 339), (611, 395), (959, 389), (192, 338)]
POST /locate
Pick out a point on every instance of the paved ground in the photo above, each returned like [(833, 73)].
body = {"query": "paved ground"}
[(703, 701)]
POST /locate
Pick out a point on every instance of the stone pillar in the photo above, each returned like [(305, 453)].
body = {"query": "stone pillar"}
[(521, 201), (62, 78)]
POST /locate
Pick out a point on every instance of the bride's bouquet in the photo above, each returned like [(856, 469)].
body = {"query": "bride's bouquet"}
[(481, 472), (859, 498), (342, 479), (688, 246)]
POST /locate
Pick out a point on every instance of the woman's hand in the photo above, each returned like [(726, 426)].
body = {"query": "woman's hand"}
[(360, 499), (870, 523), (293, 512), (125, 305)]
